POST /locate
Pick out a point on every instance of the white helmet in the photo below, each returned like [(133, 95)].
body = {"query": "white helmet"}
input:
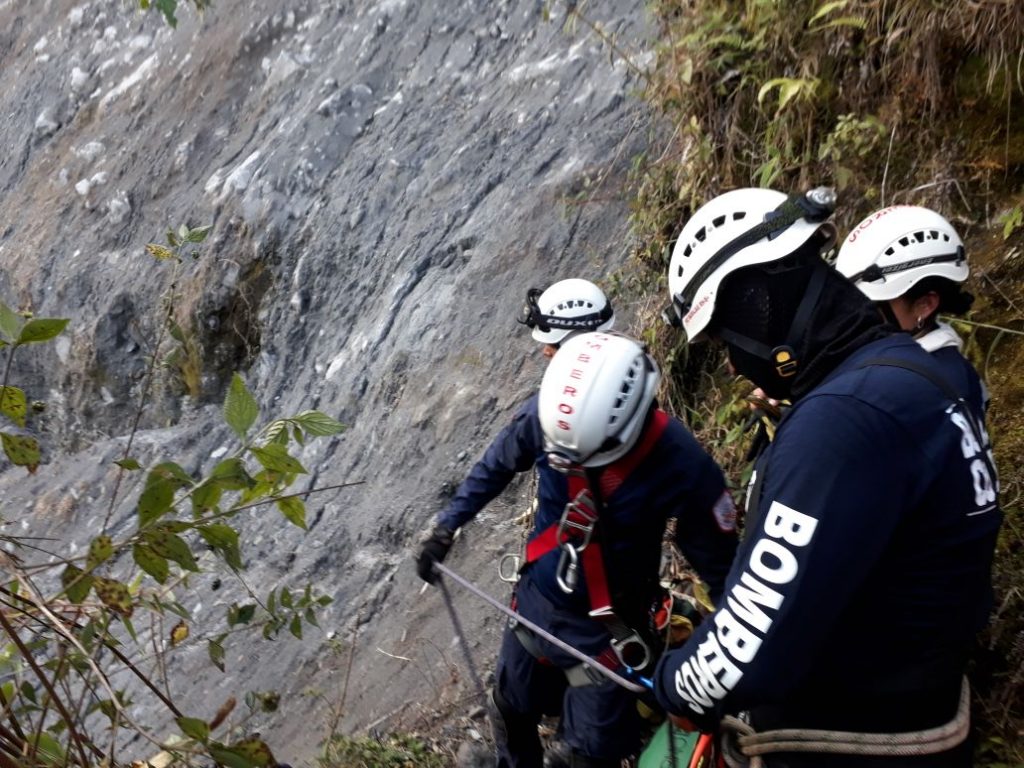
[(595, 397), (566, 307), (735, 230), (894, 248)]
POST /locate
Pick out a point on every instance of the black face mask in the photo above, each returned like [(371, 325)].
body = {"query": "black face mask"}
[(757, 306), (760, 371)]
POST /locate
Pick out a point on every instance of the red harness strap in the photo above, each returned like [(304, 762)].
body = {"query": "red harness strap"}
[(611, 478)]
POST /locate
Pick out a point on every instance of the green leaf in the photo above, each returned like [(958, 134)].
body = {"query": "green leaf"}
[(857, 22), (173, 547), (241, 614), (156, 499), (286, 599), (231, 475), (172, 239), (198, 234), (295, 626), (294, 510), (130, 464), (317, 423), (194, 728), (28, 691), (23, 451), (271, 601), (226, 756), (10, 323), (240, 408), (826, 9), (76, 586), (161, 252), (276, 432), (152, 563), (256, 751), (788, 89), (205, 498), (216, 651), (114, 595), (173, 474), (48, 749), (12, 404), (101, 549), (130, 628), (311, 617), (276, 457), (41, 329), (224, 539)]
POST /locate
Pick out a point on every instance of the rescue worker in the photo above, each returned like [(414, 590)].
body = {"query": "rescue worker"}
[(911, 262), (612, 469), (564, 309), (864, 573)]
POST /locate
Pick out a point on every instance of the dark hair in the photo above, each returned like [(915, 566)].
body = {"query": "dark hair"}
[(953, 299)]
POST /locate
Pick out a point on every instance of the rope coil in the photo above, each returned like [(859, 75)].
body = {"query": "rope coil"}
[(742, 746)]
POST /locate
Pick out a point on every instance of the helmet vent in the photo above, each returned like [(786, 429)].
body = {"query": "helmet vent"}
[(919, 236), (890, 251), (701, 234), (739, 215), (904, 241), (718, 221)]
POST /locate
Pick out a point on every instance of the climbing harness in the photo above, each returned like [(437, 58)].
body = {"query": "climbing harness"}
[(642, 686), (576, 536), (742, 746)]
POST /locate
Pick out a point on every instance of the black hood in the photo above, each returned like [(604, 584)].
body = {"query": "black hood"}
[(760, 303)]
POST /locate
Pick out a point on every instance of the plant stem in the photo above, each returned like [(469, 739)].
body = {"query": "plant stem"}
[(26, 654), (144, 397)]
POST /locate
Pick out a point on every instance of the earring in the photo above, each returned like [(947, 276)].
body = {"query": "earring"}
[(920, 324)]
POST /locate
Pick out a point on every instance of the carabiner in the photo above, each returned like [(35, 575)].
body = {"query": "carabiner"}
[(567, 575), (513, 577)]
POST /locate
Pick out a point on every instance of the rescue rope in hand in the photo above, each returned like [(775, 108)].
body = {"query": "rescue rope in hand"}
[(742, 745), (541, 632), (477, 683)]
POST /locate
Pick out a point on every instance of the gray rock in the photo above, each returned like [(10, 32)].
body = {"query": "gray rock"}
[(80, 80), (421, 208), (45, 124), (472, 754)]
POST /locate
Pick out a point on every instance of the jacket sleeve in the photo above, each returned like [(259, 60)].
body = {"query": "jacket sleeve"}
[(832, 496), (706, 519), (515, 449)]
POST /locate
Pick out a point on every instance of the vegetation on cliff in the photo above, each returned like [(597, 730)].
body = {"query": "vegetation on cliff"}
[(904, 102)]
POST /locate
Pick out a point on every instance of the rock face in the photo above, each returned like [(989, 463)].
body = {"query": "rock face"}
[(385, 179)]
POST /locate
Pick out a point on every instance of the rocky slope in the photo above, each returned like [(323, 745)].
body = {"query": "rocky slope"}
[(385, 179)]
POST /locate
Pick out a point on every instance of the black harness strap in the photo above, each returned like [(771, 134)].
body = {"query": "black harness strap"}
[(946, 388)]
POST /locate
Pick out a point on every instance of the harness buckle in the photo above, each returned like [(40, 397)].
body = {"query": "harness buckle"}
[(503, 571), (567, 574), (576, 527), (631, 651)]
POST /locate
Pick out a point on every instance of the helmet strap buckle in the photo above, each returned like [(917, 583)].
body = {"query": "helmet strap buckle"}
[(785, 361)]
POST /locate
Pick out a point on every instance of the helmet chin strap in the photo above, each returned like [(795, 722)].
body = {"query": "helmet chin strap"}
[(783, 358)]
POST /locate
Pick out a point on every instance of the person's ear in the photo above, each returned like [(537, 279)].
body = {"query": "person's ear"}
[(925, 306)]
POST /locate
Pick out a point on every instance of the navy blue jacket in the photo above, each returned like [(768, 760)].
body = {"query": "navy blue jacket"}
[(865, 574), (676, 479)]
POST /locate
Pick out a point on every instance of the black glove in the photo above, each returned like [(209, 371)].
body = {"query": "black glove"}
[(434, 550)]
